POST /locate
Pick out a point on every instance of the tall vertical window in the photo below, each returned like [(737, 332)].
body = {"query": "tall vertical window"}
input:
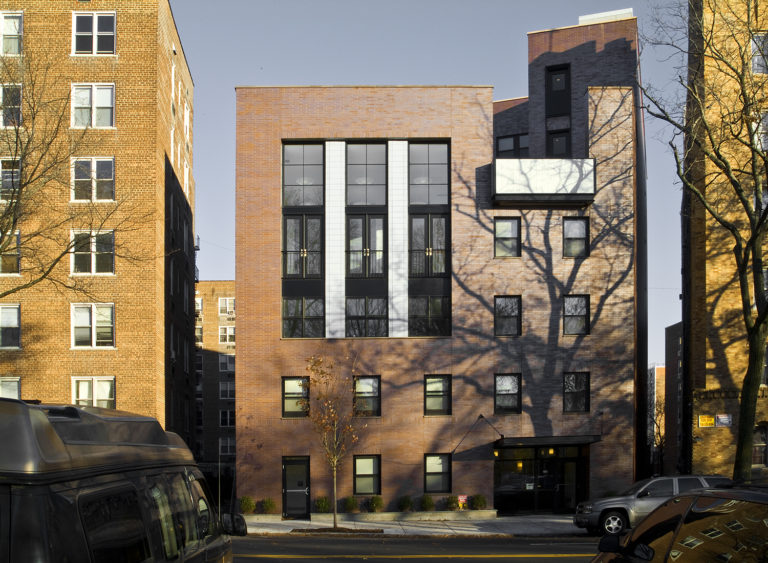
[(557, 96), (199, 335), (429, 316), (226, 417), (226, 335), (226, 389), (508, 315), (303, 246), (10, 257), (437, 473), (367, 395), (93, 252), (94, 392), (367, 475), (760, 446), (10, 172), (576, 314), (762, 132), (10, 387), (575, 237), (93, 33), (437, 394), (760, 53), (10, 101), (428, 173), (10, 27), (506, 237), (295, 393), (93, 179), (303, 317), (93, 105), (429, 246), (10, 326), (226, 363), (366, 316), (507, 393), (227, 306), (366, 174), (576, 392), (303, 175), (93, 325), (366, 255)]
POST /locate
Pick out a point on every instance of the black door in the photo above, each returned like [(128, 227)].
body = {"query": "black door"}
[(296, 490)]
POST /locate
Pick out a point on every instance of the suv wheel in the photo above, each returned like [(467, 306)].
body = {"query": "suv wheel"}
[(613, 523)]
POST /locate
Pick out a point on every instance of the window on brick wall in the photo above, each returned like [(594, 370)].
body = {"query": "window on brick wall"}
[(507, 393), (367, 474), (366, 316), (437, 394), (428, 246), (295, 391), (93, 105), (93, 179), (11, 31), (575, 237), (94, 392), (428, 173), (93, 325), (93, 252), (10, 172), (93, 33), (512, 146), (508, 315), (576, 314), (437, 473), (576, 392), (227, 335), (506, 237), (303, 175), (226, 390), (227, 445), (10, 101), (10, 326), (366, 251), (10, 258), (367, 399), (226, 417), (302, 246), (303, 317), (366, 174), (760, 53), (429, 315), (226, 363), (10, 387), (227, 306)]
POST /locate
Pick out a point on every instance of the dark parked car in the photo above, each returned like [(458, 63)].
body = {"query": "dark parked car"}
[(613, 515), (705, 525)]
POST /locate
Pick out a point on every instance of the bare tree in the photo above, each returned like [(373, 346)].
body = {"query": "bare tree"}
[(720, 137), (330, 408), (38, 212)]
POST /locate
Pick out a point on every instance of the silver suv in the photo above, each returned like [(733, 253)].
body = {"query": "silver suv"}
[(613, 515)]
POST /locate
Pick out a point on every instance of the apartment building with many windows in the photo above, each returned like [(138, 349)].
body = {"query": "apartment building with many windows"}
[(113, 323), (480, 263)]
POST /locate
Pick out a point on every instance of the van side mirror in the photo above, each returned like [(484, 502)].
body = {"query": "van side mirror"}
[(609, 544), (234, 524)]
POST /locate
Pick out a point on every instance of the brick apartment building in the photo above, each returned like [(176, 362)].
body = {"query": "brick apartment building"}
[(114, 326), (214, 446), (483, 262)]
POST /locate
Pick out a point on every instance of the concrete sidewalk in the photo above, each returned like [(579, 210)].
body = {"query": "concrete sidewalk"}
[(528, 525)]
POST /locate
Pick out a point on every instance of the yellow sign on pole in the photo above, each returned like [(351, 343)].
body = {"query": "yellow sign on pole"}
[(706, 421)]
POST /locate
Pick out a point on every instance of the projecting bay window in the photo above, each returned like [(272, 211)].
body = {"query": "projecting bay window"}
[(429, 316), (303, 175), (365, 246), (366, 174), (366, 317), (429, 246), (303, 317), (303, 246)]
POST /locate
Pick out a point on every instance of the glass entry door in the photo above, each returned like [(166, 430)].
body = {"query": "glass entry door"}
[(296, 491)]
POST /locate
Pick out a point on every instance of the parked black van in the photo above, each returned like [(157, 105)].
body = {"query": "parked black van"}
[(83, 484)]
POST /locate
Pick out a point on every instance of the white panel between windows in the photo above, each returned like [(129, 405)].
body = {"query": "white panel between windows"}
[(335, 248), (398, 238)]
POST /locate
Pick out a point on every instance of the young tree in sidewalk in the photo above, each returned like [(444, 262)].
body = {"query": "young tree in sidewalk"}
[(330, 407), (719, 146)]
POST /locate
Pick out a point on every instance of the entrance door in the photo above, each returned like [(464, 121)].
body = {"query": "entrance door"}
[(296, 490)]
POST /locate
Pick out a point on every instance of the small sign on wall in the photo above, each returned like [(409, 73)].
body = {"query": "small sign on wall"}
[(706, 421), (723, 420)]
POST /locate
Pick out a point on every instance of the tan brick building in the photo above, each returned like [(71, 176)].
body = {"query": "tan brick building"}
[(116, 327), (482, 262)]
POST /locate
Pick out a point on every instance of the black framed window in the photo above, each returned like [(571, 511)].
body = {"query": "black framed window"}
[(303, 317), (559, 144), (428, 244), (428, 173), (367, 395), (366, 316), (512, 146), (437, 473), (10, 102), (226, 417), (303, 175), (508, 315), (507, 393), (366, 174), (10, 175), (10, 258), (575, 237), (93, 179), (576, 392), (367, 475), (437, 394), (94, 33), (302, 246), (366, 241), (558, 91), (506, 237), (760, 53), (576, 314), (429, 315), (295, 393)]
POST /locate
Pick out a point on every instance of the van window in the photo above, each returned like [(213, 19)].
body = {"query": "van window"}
[(114, 527), (203, 511), (163, 506), (183, 509)]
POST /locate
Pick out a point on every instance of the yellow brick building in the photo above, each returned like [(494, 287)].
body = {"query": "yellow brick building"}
[(115, 325)]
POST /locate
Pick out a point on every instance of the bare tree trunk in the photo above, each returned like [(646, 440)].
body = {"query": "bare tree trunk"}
[(742, 467), (333, 472)]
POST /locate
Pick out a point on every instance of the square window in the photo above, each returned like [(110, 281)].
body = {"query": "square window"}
[(576, 392), (94, 392), (429, 315), (295, 396), (760, 53), (366, 317), (367, 395), (93, 325), (93, 105), (367, 474), (10, 174), (559, 144), (93, 252), (437, 395), (227, 306), (10, 326), (227, 445), (507, 393), (227, 335), (437, 473), (226, 418), (226, 363), (10, 258), (93, 33), (11, 31), (226, 390), (303, 317), (10, 102), (575, 237), (576, 314), (93, 179), (508, 314), (10, 387), (506, 237)]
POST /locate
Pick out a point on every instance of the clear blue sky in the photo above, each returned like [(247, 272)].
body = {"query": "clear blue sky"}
[(300, 42)]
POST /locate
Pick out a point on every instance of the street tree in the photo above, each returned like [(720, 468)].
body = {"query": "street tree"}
[(719, 121), (329, 404)]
